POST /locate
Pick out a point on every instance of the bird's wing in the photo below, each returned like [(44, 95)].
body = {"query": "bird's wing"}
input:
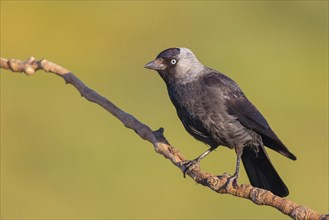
[(247, 114)]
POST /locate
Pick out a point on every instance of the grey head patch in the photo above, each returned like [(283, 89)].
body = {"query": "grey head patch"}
[(188, 66)]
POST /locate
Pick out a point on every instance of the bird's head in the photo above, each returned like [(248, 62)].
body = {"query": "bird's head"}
[(178, 64)]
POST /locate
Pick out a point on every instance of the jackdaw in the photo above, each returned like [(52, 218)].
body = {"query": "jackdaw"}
[(214, 110)]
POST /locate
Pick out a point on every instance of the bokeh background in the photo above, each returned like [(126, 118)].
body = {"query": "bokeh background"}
[(63, 157)]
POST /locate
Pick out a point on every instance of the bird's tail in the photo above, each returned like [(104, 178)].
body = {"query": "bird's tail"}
[(261, 172)]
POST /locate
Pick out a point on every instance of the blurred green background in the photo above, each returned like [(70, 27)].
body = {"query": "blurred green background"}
[(63, 157)]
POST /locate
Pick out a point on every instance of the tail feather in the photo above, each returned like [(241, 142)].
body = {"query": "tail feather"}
[(277, 145), (261, 172)]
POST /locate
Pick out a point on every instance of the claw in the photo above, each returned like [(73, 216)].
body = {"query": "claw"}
[(231, 180), (188, 165), (234, 180), (224, 175)]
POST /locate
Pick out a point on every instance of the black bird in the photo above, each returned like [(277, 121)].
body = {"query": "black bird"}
[(214, 110)]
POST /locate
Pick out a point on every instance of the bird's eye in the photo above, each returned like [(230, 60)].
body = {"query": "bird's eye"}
[(173, 61)]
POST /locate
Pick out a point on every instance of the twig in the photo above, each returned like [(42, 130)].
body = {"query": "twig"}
[(162, 146)]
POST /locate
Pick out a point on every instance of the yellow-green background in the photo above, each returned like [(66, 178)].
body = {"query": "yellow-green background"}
[(63, 157)]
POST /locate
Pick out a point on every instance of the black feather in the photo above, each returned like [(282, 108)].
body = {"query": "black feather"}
[(246, 113), (261, 172)]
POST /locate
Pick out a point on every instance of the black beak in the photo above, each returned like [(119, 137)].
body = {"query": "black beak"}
[(156, 64)]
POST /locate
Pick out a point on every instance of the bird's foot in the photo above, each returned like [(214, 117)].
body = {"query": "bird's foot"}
[(232, 180), (188, 165)]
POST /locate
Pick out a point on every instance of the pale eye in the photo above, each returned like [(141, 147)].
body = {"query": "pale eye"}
[(173, 61)]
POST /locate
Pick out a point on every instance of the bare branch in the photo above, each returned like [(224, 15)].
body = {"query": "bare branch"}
[(162, 146)]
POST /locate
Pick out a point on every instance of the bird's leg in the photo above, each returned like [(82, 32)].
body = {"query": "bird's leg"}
[(188, 164), (234, 179)]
